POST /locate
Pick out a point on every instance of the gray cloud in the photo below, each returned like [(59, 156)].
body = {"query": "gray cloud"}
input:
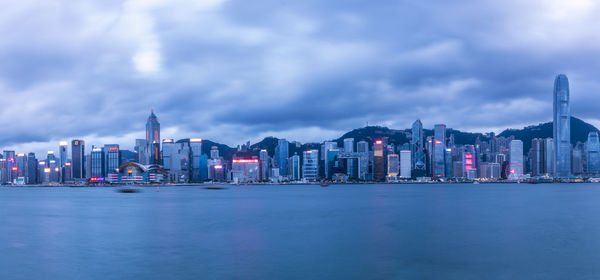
[(307, 70)]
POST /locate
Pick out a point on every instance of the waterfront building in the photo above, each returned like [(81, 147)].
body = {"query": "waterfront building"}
[(417, 146), (592, 148), (516, 159), (405, 164), (245, 170), (562, 127), (294, 167), (152, 150), (281, 156), (98, 162), (393, 165), (32, 169), (62, 152), (78, 159), (378, 161), (263, 157), (439, 149), (577, 160), (196, 166), (310, 165), (112, 159)]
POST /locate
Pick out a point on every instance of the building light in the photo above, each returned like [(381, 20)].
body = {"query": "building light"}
[(195, 140), (46, 170), (14, 168), (218, 166), (53, 161), (245, 160), (50, 152), (378, 142), (438, 142), (167, 140), (20, 154), (67, 164), (42, 163), (56, 169), (114, 149), (63, 143), (96, 149)]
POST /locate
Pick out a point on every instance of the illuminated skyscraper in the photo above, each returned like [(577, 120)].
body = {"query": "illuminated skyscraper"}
[(378, 161), (196, 160), (152, 139), (112, 159), (562, 127), (97, 166)]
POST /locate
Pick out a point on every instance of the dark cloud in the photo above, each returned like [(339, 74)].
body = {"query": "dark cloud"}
[(306, 70)]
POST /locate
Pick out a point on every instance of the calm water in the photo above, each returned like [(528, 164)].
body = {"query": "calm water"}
[(303, 232)]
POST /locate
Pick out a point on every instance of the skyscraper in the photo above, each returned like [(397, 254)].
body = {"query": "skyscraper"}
[(97, 167), (378, 161), (418, 157), (592, 148), (310, 165), (196, 164), (393, 166), (516, 159), (152, 139), (405, 164), (562, 127), (77, 159), (112, 158), (62, 152), (439, 150), (281, 156)]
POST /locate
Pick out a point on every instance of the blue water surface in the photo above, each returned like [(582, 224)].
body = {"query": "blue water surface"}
[(450, 231)]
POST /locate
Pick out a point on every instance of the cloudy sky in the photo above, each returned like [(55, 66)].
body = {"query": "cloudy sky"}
[(234, 70)]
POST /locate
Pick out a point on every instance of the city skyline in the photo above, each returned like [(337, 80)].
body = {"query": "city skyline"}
[(307, 71)]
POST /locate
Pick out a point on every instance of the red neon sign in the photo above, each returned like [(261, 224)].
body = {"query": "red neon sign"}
[(114, 149), (378, 142), (245, 160)]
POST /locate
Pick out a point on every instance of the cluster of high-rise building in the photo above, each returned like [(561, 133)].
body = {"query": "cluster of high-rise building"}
[(437, 156)]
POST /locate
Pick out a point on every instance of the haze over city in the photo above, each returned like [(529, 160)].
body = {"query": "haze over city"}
[(304, 70)]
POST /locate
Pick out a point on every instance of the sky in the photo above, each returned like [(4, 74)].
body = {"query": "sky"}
[(232, 70)]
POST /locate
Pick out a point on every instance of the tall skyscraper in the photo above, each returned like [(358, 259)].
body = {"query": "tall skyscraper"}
[(281, 156), (77, 159), (263, 158), (153, 139), (97, 167), (516, 159), (140, 151), (196, 148), (294, 164), (62, 152), (562, 127), (439, 150), (418, 158), (32, 169), (592, 148), (378, 161)]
